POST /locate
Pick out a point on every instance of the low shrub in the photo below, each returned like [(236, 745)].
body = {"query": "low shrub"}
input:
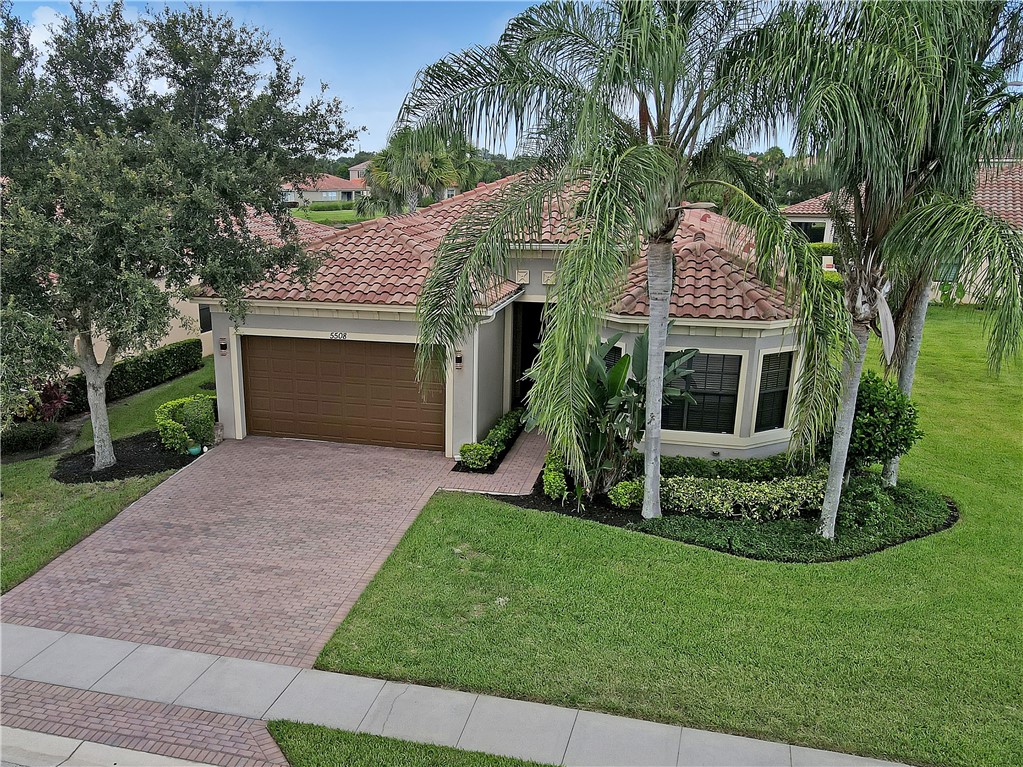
[(785, 498), (742, 469), (348, 205), (135, 374), (174, 434), (555, 482), (885, 424), (476, 455), (28, 436), (834, 280), (482, 456), (866, 501), (196, 416), (325, 206), (51, 399)]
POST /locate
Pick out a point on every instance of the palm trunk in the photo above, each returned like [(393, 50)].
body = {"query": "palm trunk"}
[(907, 370), (96, 374), (843, 432), (659, 284)]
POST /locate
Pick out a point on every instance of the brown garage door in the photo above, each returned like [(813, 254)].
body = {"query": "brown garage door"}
[(345, 391)]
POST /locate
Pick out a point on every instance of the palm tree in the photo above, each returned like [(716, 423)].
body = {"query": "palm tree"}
[(901, 166), (977, 121), (629, 111)]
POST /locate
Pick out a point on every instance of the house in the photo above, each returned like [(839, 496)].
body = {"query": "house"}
[(325, 188), (999, 191), (334, 359), (359, 170)]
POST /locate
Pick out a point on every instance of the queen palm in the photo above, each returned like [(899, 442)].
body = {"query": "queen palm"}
[(630, 112), (902, 101)]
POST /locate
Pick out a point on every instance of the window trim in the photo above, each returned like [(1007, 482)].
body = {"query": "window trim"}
[(793, 382), (680, 437)]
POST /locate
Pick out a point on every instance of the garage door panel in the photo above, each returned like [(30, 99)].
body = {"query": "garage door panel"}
[(347, 391)]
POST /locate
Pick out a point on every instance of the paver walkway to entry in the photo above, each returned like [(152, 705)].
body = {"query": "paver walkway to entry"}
[(256, 551), (183, 684)]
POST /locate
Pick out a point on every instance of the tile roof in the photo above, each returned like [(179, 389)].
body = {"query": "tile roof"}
[(386, 261), (360, 166), (328, 183), (309, 232), (999, 191), (710, 282)]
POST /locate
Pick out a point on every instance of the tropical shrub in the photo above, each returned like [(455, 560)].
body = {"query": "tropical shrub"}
[(555, 482), (170, 421), (616, 418), (728, 498), (476, 455), (50, 400), (481, 456), (135, 374), (28, 435), (885, 424)]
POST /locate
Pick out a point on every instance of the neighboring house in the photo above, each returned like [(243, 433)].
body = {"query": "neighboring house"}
[(999, 191), (334, 359), (359, 170), (325, 188)]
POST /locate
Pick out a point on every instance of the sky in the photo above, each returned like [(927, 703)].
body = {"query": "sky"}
[(367, 52)]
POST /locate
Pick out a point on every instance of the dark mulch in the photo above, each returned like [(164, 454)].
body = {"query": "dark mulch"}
[(598, 510), (208, 385), (137, 456)]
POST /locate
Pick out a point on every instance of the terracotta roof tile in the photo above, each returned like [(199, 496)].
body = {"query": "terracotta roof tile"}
[(999, 191), (328, 183), (386, 261)]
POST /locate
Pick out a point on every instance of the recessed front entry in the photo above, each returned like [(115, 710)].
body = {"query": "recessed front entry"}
[(343, 391)]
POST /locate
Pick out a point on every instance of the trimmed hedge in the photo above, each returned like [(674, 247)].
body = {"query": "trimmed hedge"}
[(555, 483), (785, 498), (324, 206), (742, 469), (826, 249), (28, 436), (482, 456), (170, 422), (135, 374)]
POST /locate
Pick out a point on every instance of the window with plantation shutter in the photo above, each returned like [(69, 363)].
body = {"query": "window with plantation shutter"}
[(714, 385), (775, 378)]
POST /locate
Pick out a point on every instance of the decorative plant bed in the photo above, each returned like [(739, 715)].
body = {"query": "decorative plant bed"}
[(919, 512), (137, 456), (485, 457)]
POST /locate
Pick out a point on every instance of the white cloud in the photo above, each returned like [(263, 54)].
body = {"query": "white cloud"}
[(40, 29)]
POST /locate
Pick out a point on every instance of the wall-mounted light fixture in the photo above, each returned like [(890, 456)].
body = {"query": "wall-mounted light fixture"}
[(222, 343), (458, 359)]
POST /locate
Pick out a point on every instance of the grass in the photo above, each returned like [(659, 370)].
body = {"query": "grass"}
[(310, 745), (910, 654), (329, 217), (43, 518)]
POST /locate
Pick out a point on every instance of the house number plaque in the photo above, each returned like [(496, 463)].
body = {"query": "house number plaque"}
[(339, 336)]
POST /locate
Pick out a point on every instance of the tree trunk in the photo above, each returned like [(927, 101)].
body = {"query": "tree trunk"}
[(843, 432), (96, 374), (659, 283), (907, 370)]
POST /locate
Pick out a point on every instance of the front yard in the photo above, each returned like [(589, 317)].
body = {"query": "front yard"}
[(329, 217), (43, 518), (910, 654)]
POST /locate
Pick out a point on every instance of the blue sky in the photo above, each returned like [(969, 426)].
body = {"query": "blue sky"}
[(368, 52)]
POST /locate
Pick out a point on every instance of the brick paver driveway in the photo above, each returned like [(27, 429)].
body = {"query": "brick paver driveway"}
[(255, 551)]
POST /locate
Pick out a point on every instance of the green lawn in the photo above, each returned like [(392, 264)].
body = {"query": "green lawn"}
[(329, 217), (912, 653), (309, 745), (42, 518)]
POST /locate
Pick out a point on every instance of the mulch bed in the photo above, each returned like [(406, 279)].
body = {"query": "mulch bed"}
[(598, 510), (137, 456), (493, 466)]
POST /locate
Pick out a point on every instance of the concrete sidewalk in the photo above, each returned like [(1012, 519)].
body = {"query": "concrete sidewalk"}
[(24, 748), (263, 691)]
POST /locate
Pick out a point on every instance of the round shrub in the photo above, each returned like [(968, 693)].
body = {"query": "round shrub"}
[(885, 424), (170, 421), (28, 435), (476, 455)]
